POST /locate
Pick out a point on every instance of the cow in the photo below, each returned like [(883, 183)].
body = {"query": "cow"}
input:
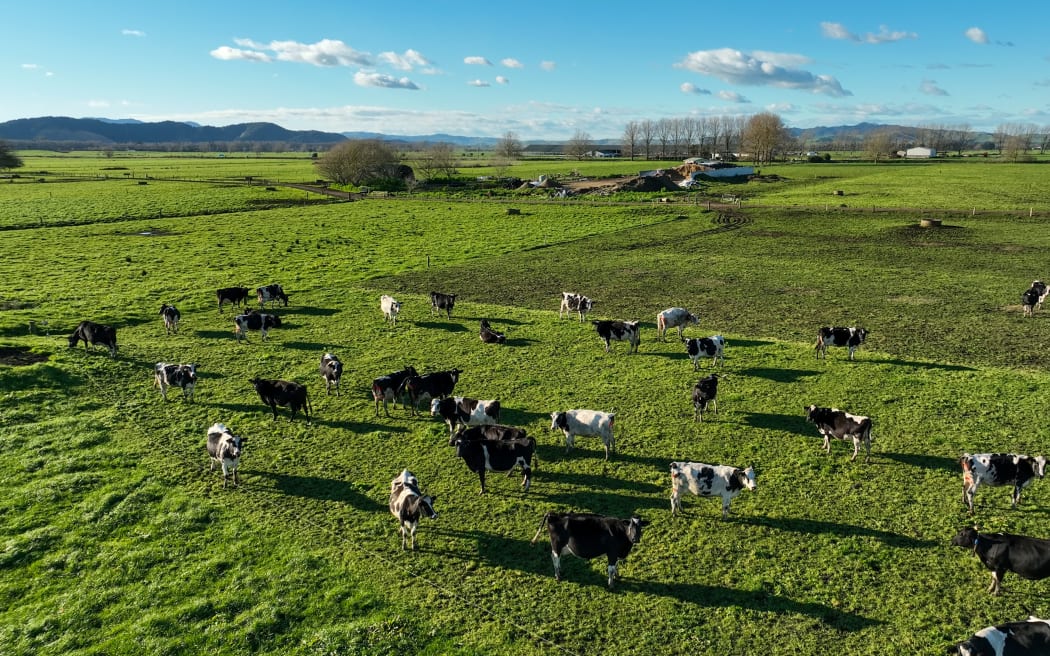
[(709, 481), (713, 347), (439, 302), (1029, 301), (225, 448), (675, 317), (232, 295), (95, 333), (433, 385), (832, 422), (575, 303), (283, 393), (851, 337), (390, 308), (585, 422), (705, 393), (254, 321), (511, 448), (1000, 553), (408, 504), (588, 536), (1043, 290), (1028, 638), (387, 388), (171, 317), (619, 331), (490, 336), (183, 376), (995, 469), (331, 370), (271, 294), (461, 411)]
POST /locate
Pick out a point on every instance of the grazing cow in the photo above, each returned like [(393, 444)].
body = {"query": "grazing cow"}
[(283, 393), (490, 336), (575, 303), (387, 388), (709, 481), (271, 294), (1043, 290), (461, 411), (619, 331), (407, 504), (171, 318), (1000, 553), (95, 333), (995, 469), (1029, 300), (713, 347), (588, 536), (510, 448), (705, 393), (675, 317), (332, 372), (231, 295), (439, 302), (1028, 638), (832, 422), (225, 449), (838, 336), (390, 308), (434, 385), (585, 422), (255, 321), (183, 376)]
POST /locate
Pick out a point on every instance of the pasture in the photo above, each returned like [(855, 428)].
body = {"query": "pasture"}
[(118, 540)]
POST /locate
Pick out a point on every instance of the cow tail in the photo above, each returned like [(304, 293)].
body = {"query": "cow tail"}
[(543, 522)]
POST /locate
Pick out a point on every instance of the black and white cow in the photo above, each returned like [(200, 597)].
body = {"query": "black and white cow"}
[(408, 504), (575, 303), (713, 347), (851, 337), (1043, 289), (462, 411), (231, 295), (433, 385), (619, 331), (225, 449), (1028, 638), (390, 308), (387, 388), (255, 321), (171, 317), (705, 393), (439, 302), (675, 317), (508, 448), (995, 469), (588, 536), (1000, 553), (183, 376), (95, 333), (331, 370), (271, 294), (834, 423), (283, 393), (490, 336), (709, 481), (585, 422)]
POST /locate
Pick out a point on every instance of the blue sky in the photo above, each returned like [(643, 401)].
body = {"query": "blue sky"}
[(542, 70)]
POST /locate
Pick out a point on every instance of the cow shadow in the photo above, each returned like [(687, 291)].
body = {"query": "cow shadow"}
[(499, 550), (921, 365), (518, 341), (311, 311), (514, 417), (923, 461), (447, 326), (778, 375), (43, 376), (603, 503), (795, 424), (677, 355), (311, 346), (601, 482), (813, 526), (216, 334), (321, 489), (359, 427), (746, 343), (247, 408), (495, 321)]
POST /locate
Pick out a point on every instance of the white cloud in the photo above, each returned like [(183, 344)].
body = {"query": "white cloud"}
[(502, 79), (97, 104), (510, 62), (781, 108), (325, 53), (363, 79), (732, 96), (839, 31), (405, 61), (761, 68), (133, 33), (930, 88), (30, 67), (977, 35), (479, 83), (226, 53), (548, 65), (477, 61), (689, 87)]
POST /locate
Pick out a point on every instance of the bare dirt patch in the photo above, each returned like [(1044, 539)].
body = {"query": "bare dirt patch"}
[(19, 356)]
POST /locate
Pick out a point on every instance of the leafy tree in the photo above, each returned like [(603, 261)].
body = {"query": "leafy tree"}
[(764, 135), (8, 159), (358, 161)]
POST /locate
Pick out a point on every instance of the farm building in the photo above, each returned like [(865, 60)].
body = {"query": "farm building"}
[(919, 152)]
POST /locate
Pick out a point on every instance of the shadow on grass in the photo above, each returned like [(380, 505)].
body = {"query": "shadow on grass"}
[(923, 365), (322, 489), (778, 375), (602, 503), (359, 427), (745, 343), (217, 334), (515, 417), (925, 462), (814, 527), (602, 481), (499, 550), (496, 322), (442, 325), (311, 346), (311, 311), (795, 424), (518, 341), (41, 376)]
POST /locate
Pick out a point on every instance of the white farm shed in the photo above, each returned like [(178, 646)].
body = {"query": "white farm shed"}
[(920, 152)]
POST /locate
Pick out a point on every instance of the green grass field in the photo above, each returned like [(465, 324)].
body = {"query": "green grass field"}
[(116, 539)]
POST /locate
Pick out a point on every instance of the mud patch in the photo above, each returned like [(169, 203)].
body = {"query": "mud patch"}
[(20, 356)]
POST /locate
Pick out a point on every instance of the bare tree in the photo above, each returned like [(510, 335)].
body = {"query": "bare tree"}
[(647, 135), (509, 146), (663, 136), (764, 136), (8, 159), (631, 135), (356, 161), (437, 160), (700, 128), (878, 144), (579, 145), (732, 127)]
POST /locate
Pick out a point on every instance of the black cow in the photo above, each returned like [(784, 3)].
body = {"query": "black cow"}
[(439, 302), (620, 331), (490, 336), (1028, 638), (255, 321), (462, 411), (588, 536), (387, 388), (511, 447), (183, 376), (283, 393), (434, 385), (408, 504), (832, 422), (571, 302), (1027, 557), (95, 333), (332, 372), (705, 393), (995, 469), (171, 317), (271, 294), (1029, 300), (231, 295), (838, 336)]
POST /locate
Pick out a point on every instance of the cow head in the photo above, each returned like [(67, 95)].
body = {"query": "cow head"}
[(273, 320), (435, 407), (966, 538), (257, 383), (1039, 465), (747, 478), (559, 421), (634, 528), (426, 506), (455, 374), (861, 334), (74, 338)]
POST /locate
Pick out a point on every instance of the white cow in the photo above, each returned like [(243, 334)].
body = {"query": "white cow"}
[(675, 317), (225, 448), (709, 481), (585, 422), (390, 308)]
